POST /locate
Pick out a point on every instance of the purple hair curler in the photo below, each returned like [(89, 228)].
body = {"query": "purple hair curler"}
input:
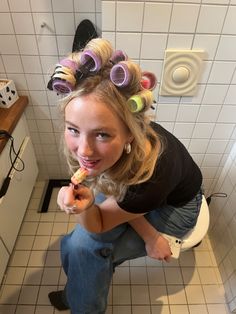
[(120, 75), (90, 61), (118, 56), (62, 86)]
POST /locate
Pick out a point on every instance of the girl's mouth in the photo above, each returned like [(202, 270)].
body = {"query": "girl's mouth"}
[(89, 164)]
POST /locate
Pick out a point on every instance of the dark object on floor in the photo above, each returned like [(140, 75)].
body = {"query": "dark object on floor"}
[(46, 197), (56, 299), (84, 33)]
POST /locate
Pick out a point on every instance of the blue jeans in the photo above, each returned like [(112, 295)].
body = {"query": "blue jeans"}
[(89, 259)]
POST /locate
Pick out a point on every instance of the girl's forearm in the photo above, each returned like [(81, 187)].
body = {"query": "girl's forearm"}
[(144, 228), (91, 219)]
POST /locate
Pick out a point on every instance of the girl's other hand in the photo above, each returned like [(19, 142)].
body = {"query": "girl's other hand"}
[(158, 248), (75, 201)]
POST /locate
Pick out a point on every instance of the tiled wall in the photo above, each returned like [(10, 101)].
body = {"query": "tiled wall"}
[(223, 227), (205, 123), (27, 55)]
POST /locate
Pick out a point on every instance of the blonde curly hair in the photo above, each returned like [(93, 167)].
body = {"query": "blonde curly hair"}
[(138, 166)]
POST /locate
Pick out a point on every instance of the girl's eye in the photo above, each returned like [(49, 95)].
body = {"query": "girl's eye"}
[(103, 136), (73, 130)]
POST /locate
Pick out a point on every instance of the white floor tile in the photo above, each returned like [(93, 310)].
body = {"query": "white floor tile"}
[(190, 285)]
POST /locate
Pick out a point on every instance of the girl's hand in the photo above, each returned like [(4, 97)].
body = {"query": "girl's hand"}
[(75, 201), (158, 248)]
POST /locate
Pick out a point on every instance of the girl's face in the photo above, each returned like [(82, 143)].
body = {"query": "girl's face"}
[(94, 134)]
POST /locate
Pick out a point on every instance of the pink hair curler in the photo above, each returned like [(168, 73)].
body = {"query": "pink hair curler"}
[(148, 80), (69, 64), (118, 56), (120, 75)]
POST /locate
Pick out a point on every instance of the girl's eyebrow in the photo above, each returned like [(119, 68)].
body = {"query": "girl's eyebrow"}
[(70, 123), (99, 129)]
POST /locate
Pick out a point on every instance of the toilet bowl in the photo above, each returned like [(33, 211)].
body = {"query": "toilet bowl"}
[(195, 236)]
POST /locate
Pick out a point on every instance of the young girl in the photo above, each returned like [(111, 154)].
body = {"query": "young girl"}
[(141, 181)]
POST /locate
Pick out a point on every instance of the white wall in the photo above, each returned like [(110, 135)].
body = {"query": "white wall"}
[(205, 123), (28, 54)]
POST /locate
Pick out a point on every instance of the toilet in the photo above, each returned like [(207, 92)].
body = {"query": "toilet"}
[(195, 236)]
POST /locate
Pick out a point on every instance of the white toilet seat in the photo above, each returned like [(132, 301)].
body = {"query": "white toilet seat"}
[(196, 235)]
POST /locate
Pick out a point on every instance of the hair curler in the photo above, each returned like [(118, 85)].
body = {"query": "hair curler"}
[(148, 80), (90, 62), (118, 56), (135, 103), (120, 75), (63, 80)]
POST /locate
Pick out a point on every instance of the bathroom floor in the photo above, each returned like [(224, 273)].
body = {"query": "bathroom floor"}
[(190, 285)]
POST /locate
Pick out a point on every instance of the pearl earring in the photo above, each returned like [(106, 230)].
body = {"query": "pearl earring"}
[(128, 148)]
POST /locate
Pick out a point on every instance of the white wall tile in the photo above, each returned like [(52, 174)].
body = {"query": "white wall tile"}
[(156, 17), (198, 146), (62, 6), (184, 18), (166, 112), (211, 25), (27, 44), (6, 26), (12, 64), (20, 81), (180, 41), (183, 130), (38, 98), (125, 21), (227, 48), (111, 37), (41, 6), (8, 44), (109, 12), (203, 130), (47, 45), (64, 44), (35, 82), (208, 113), (208, 43), (129, 42), (227, 114), (48, 63), (19, 6), (84, 6), (214, 94), (231, 95), (187, 113), (222, 72), (4, 6), (217, 146), (44, 126), (211, 160), (41, 112), (31, 64), (23, 23), (68, 25), (158, 44), (230, 21), (223, 131), (40, 19)]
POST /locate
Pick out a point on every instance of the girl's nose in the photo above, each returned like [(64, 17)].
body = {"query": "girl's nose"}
[(85, 148)]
